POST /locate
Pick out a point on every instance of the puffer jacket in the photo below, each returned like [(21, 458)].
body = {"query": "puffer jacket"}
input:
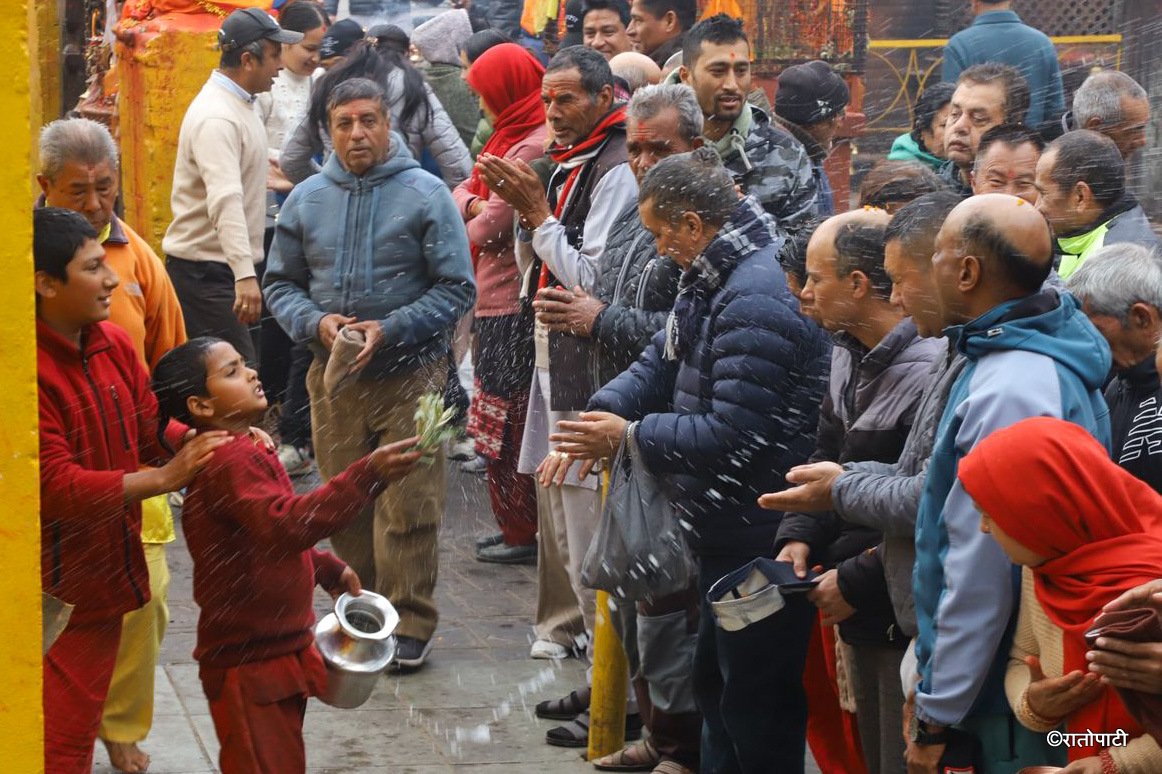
[(639, 287), (867, 414), (886, 496), (439, 136), (391, 247), (726, 422)]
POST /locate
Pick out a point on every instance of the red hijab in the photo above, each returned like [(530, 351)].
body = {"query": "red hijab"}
[(1053, 488), (508, 79)]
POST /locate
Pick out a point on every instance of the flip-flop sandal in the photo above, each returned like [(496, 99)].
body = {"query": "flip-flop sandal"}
[(575, 733), (640, 756), (566, 708)]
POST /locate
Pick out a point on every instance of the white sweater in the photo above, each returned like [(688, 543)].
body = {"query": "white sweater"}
[(281, 108), (219, 183)]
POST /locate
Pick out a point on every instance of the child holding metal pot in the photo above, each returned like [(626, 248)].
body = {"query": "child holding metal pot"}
[(1085, 532), (255, 566)]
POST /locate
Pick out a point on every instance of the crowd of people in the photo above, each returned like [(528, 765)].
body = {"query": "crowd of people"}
[(913, 449)]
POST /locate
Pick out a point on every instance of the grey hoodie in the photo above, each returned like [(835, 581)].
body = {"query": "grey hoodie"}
[(387, 246)]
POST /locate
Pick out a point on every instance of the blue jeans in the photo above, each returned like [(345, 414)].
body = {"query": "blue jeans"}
[(749, 684)]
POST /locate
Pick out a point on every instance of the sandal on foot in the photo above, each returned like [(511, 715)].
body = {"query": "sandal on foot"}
[(639, 756), (575, 733), (672, 767), (565, 708)]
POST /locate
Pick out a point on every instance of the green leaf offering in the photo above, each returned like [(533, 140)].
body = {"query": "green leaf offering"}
[(433, 423)]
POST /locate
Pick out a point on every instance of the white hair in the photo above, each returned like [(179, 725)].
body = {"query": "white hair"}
[(1115, 277), (648, 101), (75, 140), (1101, 95)]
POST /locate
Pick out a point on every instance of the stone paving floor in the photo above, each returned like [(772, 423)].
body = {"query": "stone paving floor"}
[(470, 707)]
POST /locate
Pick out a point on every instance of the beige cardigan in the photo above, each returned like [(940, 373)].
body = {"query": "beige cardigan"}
[(1037, 636)]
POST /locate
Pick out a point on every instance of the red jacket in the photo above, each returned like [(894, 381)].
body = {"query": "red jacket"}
[(252, 542), (98, 422)]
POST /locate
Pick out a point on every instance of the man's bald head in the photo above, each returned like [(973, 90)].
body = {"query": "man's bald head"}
[(992, 248), (636, 69), (845, 268)]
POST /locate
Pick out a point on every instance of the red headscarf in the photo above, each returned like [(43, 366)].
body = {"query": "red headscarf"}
[(1050, 486), (508, 79)]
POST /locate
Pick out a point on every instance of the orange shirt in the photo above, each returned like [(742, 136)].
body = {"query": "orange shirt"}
[(144, 304)]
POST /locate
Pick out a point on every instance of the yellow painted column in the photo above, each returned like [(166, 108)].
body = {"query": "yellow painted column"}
[(610, 681), (610, 675), (162, 65), (21, 716), (44, 42)]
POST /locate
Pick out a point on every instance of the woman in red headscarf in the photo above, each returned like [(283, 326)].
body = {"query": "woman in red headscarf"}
[(508, 80), (1085, 531)]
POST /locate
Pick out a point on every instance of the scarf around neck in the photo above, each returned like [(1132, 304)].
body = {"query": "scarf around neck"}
[(573, 158), (748, 230), (508, 79)]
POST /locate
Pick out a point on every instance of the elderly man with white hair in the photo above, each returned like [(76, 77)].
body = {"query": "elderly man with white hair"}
[(1120, 290), (1114, 104)]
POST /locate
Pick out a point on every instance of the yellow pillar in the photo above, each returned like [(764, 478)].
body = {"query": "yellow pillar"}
[(44, 43), (21, 716), (162, 65), (610, 675)]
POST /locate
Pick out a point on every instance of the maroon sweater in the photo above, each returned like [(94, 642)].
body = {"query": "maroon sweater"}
[(252, 540)]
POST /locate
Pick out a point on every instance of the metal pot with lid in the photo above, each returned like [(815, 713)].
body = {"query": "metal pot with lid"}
[(357, 646)]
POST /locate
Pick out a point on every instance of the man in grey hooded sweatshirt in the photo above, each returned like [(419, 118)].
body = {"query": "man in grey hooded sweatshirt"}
[(373, 247)]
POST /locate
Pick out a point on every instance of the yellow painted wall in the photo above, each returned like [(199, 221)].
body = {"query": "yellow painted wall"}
[(20, 651), (160, 74), (44, 35)]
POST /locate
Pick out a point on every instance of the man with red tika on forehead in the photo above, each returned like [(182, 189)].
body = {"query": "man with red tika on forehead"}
[(561, 236)]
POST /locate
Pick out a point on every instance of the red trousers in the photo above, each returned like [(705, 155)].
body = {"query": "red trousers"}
[(831, 732), (77, 671), (513, 495), (258, 711)]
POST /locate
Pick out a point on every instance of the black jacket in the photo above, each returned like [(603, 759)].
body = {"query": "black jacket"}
[(867, 415), (1135, 400)]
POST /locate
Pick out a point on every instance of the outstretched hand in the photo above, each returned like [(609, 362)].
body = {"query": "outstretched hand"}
[(597, 435), (813, 492), (1055, 698)]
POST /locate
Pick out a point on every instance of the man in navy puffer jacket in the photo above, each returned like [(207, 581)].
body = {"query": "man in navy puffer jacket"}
[(722, 403)]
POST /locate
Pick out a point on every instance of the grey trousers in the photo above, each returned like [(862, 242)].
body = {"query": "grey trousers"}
[(879, 701)]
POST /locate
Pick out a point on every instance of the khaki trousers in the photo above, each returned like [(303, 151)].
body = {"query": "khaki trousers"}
[(391, 545), (566, 520)]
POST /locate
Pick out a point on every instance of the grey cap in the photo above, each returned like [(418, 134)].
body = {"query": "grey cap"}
[(247, 25)]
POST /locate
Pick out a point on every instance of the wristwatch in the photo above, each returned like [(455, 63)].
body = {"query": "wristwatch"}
[(926, 735)]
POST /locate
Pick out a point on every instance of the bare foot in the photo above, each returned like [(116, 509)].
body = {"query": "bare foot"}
[(127, 757)]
